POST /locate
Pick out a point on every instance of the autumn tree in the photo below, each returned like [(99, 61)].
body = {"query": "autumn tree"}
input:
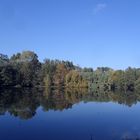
[(74, 79)]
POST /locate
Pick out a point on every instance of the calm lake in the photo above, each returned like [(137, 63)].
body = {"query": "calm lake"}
[(27, 114)]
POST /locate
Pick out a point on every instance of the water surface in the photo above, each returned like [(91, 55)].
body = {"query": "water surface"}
[(68, 115)]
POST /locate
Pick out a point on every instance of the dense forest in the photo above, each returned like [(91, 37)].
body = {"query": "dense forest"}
[(25, 70)]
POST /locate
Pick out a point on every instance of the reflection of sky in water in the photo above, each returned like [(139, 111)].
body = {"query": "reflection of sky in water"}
[(102, 121)]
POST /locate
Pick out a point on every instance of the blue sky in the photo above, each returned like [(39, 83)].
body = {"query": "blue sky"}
[(90, 33)]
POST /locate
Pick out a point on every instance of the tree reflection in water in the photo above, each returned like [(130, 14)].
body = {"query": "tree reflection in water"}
[(24, 102)]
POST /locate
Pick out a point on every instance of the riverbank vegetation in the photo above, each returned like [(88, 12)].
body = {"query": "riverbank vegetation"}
[(25, 70)]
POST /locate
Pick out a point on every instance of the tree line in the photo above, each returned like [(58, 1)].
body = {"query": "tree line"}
[(25, 70)]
